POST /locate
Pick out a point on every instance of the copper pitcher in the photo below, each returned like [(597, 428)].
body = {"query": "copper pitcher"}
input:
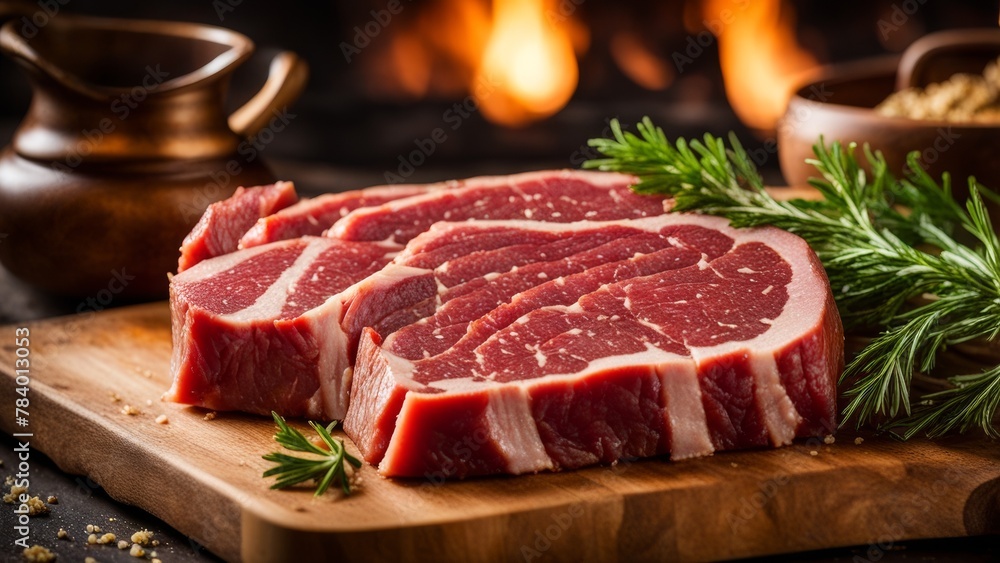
[(126, 142)]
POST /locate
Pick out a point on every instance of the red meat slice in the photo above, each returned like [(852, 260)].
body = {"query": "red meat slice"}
[(530, 346), (311, 217), (219, 230), (559, 196), (258, 330)]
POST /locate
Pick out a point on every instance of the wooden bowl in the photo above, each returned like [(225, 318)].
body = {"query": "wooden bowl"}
[(839, 106)]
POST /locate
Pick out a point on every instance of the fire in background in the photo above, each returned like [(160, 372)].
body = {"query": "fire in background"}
[(520, 59)]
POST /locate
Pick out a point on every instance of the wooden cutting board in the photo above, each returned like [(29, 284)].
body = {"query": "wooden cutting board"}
[(204, 478)]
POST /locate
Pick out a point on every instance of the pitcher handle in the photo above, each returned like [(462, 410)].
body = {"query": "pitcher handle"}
[(286, 78)]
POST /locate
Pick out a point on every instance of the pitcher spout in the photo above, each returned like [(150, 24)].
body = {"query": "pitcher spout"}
[(104, 88)]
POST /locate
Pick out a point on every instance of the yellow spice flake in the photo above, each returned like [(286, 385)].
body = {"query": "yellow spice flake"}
[(38, 553), (137, 551), (142, 537), (36, 507), (106, 539), (15, 492), (130, 410)]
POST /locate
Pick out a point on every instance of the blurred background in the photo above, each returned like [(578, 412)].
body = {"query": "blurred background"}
[(514, 85)]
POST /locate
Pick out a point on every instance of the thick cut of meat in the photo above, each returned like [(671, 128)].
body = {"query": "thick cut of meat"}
[(515, 347), (219, 230), (258, 329), (559, 196), (311, 217)]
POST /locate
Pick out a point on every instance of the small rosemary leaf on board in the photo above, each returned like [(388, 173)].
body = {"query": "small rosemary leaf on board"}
[(327, 468)]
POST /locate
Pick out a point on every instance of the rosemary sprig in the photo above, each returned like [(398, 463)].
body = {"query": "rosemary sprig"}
[(326, 469), (885, 244)]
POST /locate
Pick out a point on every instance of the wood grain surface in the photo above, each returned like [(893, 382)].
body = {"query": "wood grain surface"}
[(204, 478)]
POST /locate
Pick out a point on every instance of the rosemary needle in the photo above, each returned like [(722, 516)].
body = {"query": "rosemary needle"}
[(902, 256), (327, 468)]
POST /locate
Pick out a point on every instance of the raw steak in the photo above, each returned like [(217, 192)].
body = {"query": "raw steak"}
[(219, 230), (559, 196), (258, 330), (316, 215), (515, 347)]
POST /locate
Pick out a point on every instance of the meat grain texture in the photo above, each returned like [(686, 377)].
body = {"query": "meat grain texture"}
[(219, 230), (540, 321), (569, 345)]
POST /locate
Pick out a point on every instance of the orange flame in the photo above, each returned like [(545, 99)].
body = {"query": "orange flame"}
[(432, 51), (762, 62), (639, 63), (518, 62), (528, 70)]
